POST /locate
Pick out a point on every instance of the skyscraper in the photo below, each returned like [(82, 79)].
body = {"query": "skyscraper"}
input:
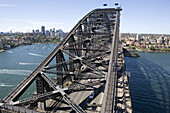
[(43, 30), (47, 33), (53, 32), (162, 38), (138, 37), (37, 31)]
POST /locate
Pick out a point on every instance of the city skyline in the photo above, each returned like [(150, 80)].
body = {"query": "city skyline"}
[(136, 17)]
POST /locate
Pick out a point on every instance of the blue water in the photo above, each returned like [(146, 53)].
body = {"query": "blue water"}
[(28, 57), (150, 82)]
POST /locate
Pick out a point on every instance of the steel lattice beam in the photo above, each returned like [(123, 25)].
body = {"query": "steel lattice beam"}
[(79, 55)]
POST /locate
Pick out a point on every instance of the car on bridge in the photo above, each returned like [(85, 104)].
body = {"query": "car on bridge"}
[(91, 95)]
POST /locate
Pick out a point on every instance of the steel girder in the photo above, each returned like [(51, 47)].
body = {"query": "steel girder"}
[(89, 42)]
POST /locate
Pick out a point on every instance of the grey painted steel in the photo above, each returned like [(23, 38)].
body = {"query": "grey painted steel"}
[(108, 105), (48, 94), (86, 45), (76, 107), (9, 108), (26, 82)]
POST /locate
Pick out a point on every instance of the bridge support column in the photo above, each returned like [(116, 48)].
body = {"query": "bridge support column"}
[(40, 90), (59, 69), (71, 64)]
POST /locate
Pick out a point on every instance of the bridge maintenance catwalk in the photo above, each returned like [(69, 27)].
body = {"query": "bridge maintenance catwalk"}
[(89, 68)]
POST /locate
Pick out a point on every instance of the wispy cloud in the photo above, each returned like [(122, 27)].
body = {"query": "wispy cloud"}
[(8, 5), (44, 23), (32, 22), (22, 25)]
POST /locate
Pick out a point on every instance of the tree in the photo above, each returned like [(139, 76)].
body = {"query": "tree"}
[(124, 40), (133, 47), (152, 48)]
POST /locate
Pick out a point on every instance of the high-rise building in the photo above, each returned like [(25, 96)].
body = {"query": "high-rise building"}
[(37, 31), (162, 38), (59, 33), (43, 30), (53, 32), (47, 33), (138, 37), (53, 29)]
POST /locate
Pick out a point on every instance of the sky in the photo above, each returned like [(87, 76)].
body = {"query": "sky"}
[(137, 16)]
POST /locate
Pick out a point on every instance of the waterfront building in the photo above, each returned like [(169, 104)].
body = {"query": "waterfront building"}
[(143, 46), (3, 41), (129, 43), (43, 30), (132, 38), (1, 44), (159, 40), (138, 37), (162, 38), (145, 38), (152, 41), (8, 46)]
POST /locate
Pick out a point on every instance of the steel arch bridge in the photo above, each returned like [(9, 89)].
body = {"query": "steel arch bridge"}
[(89, 68)]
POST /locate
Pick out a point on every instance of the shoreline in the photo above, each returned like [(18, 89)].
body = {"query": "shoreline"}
[(139, 50), (2, 50), (149, 51)]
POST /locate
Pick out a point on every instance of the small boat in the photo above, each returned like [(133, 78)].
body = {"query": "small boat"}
[(43, 46), (17, 63)]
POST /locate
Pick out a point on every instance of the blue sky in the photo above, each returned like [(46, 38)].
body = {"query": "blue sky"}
[(137, 16)]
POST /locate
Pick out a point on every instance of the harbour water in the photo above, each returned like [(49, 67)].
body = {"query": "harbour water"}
[(17, 63), (149, 81)]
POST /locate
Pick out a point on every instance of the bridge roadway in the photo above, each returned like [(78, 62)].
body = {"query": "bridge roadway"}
[(82, 98), (89, 59)]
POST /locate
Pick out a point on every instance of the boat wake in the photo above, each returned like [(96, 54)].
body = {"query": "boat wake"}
[(5, 85), (14, 72), (33, 54), (9, 51), (27, 63)]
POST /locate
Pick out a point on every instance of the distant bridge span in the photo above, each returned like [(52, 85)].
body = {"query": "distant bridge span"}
[(89, 68)]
